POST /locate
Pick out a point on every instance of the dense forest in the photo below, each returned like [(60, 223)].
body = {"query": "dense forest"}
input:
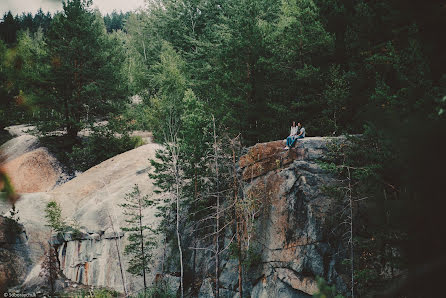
[(199, 73)]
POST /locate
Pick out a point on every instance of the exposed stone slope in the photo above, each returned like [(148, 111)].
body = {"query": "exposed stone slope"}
[(290, 229), (91, 199)]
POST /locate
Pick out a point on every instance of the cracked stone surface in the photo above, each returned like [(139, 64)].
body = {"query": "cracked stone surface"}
[(290, 228)]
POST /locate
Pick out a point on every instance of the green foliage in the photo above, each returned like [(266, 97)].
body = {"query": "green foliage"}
[(159, 291), (168, 78), (137, 141), (83, 153), (85, 80), (100, 293), (7, 190), (21, 68), (53, 215), (140, 236), (74, 228), (252, 257), (8, 28), (25, 22), (115, 21), (336, 95), (138, 117), (325, 290), (364, 167), (99, 147)]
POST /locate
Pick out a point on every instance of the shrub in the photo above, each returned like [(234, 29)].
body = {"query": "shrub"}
[(84, 153), (158, 291), (97, 293), (138, 141), (325, 290), (53, 214), (99, 147)]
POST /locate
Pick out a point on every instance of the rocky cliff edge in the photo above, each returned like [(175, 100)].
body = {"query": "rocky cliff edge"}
[(291, 228)]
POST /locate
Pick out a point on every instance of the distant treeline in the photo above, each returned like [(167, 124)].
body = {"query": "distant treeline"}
[(10, 25)]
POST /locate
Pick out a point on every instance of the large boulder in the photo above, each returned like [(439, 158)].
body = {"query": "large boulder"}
[(30, 167), (20, 130), (94, 196), (35, 171)]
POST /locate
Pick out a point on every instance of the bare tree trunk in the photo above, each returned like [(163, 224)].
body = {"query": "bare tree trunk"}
[(172, 143), (301, 48), (178, 233), (175, 156), (143, 256), (240, 267), (144, 47), (350, 198), (217, 225), (194, 258), (119, 255), (237, 228)]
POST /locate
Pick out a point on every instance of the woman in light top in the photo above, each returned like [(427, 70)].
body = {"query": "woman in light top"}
[(296, 132)]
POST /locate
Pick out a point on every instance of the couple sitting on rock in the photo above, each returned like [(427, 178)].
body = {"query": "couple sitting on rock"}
[(297, 132)]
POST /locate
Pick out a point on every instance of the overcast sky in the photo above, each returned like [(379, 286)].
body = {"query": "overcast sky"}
[(105, 6)]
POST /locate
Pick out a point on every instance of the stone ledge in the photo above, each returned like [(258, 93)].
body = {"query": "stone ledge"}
[(265, 157)]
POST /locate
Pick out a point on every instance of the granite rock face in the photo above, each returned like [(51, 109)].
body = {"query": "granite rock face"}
[(290, 230), (91, 201), (91, 260)]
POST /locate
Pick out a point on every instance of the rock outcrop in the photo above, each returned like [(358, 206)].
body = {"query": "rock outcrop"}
[(91, 202), (290, 230)]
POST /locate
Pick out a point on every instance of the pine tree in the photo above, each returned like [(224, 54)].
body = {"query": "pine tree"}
[(300, 47), (85, 83), (8, 28), (53, 214), (336, 95), (140, 235)]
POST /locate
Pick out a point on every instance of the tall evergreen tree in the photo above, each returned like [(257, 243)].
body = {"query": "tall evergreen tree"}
[(8, 28), (140, 236), (85, 81), (300, 47)]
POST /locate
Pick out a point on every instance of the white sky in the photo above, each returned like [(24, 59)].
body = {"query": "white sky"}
[(105, 6)]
